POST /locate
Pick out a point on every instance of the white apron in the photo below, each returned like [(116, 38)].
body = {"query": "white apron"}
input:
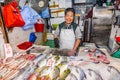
[(67, 39)]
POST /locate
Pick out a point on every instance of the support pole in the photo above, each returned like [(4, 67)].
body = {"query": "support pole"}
[(4, 30)]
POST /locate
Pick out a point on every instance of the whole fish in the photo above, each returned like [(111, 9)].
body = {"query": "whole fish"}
[(92, 75), (114, 73), (71, 76), (110, 73)]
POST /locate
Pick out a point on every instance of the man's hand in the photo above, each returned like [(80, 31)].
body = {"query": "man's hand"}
[(71, 52)]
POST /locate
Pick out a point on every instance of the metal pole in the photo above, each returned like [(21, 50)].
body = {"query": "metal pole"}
[(5, 35)]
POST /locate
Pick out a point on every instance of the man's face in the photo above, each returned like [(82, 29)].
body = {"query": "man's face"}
[(69, 17)]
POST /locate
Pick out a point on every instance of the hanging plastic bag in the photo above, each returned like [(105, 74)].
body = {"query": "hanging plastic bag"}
[(30, 17), (12, 16), (45, 13)]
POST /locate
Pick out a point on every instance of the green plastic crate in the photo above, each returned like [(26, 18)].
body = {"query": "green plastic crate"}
[(116, 54), (50, 43)]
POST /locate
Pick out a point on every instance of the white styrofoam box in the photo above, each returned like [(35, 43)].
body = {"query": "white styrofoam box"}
[(60, 4), (53, 4), (118, 33), (57, 20), (57, 12), (65, 3), (115, 31), (68, 3), (102, 13), (113, 45), (50, 36), (92, 45), (79, 1)]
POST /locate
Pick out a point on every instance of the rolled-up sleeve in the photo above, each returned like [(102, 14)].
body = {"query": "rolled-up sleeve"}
[(78, 33)]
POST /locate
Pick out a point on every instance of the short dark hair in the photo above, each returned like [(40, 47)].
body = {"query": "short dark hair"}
[(69, 9)]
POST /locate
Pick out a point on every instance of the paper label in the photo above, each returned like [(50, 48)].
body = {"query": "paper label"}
[(51, 62), (8, 50)]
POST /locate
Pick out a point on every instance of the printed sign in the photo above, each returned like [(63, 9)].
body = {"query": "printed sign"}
[(8, 50), (51, 62)]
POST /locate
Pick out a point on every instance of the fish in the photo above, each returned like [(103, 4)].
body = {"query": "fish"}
[(114, 73), (111, 67), (45, 71), (71, 76), (78, 72), (98, 50), (82, 74), (42, 63), (54, 73), (110, 73), (92, 75), (64, 74)]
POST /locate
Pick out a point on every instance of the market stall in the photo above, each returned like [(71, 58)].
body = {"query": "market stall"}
[(44, 63), (32, 51)]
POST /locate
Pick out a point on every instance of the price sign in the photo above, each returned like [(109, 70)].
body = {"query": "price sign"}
[(8, 50), (51, 62)]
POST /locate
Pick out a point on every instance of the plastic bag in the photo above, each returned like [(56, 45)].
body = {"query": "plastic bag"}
[(12, 16), (45, 13), (32, 37), (30, 17)]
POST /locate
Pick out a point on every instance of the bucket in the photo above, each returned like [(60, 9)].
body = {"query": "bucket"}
[(39, 27)]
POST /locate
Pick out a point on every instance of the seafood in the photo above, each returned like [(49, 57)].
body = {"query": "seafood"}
[(110, 73), (45, 71), (92, 75), (54, 73), (71, 76), (64, 74)]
